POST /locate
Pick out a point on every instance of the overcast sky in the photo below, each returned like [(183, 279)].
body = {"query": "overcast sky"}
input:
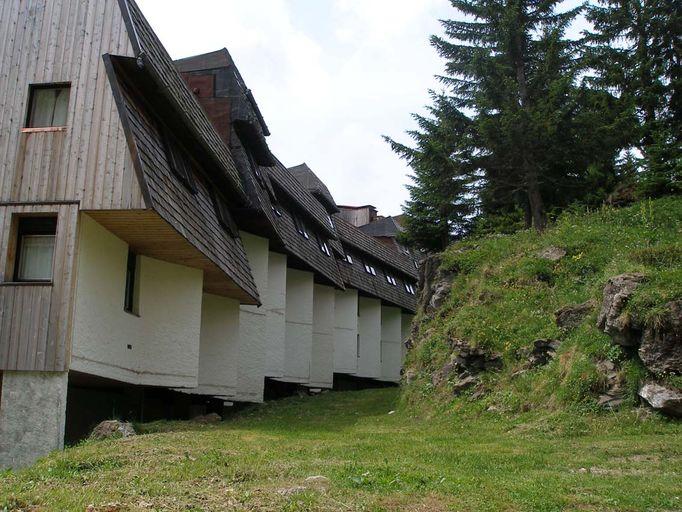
[(330, 76)]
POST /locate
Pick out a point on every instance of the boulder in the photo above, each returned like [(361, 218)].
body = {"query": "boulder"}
[(661, 348), (552, 253), (663, 398), (463, 384), (571, 316), (543, 352), (111, 429), (623, 330)]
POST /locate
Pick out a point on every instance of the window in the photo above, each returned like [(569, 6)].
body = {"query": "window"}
[(223, 214), (331, 222), (47, 105), (391, 280), (277, 211), (409, 288), (180, 162), (370, 269), (130, 301), (300, 227), (35, 248), (324, 247), (348, 258)]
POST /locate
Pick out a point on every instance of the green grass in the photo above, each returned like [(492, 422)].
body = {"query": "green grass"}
[(375, 461), (504, 297)]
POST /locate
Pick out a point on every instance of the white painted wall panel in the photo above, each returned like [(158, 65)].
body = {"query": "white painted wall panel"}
[(369, 331), (252, 325), (274, 302), (346, 331), (322, 355), (160, 347), (299, 326), (391, 353)]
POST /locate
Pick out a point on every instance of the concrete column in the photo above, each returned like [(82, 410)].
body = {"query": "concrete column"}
[(252, 321), (369, 338), (32, 416), (346, 331), (299, 326), (391, 353), (218, 352), (405, 330), (275, 305), (322, 357)]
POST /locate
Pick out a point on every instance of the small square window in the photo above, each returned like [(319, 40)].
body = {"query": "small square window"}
[(35, 248), (47, 106), (391, 280), (370, 269), (349, 259), (325, 248)]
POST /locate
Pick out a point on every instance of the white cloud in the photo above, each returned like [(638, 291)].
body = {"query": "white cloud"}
[(330, 77)]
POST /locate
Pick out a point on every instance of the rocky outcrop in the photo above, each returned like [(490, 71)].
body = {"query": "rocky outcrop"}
[(614, 393), (571, 316), (465, 364), (111, 429), (663, 398), (543, 352), (613, 320), (552, 253), (434, 284), (661, 348)]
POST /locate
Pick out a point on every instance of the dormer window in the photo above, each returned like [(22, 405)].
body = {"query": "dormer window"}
[(370, 269), (331, 222), (180, 162), (391, 280), (223, 214), (276, 210), (48, 105), (409, 288), (300, 227), (348, 259), (325, 248)]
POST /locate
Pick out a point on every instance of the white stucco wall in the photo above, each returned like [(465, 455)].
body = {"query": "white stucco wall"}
[(32, 416), (252, 325), (346, 331), (160, 347), (218, 353), (369, 331), (299, 326), (391, 353), (322, 354), (275, 305)]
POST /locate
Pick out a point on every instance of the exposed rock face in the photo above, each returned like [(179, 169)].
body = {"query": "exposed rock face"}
[(543, 352), (661, 349), (615, 393), (434, 283), (571, 316), (612, 320), (470, 361), (112, 429), (552, 253), (665, 399)]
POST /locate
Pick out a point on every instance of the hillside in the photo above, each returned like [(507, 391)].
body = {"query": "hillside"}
[(509, 323)]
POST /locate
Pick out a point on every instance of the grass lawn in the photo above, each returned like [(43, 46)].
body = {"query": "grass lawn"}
[(374, 461)]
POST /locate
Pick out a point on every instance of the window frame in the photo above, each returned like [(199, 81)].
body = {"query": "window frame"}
[(179, 160), (131, 294), (32, 88), (300, 227), (223, 214), (20, 232), (369, 269)]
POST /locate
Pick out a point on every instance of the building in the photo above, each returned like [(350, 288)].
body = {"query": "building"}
[(156, 256)]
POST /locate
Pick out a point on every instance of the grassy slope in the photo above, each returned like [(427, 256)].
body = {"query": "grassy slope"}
[(504, 297), (375, 461)]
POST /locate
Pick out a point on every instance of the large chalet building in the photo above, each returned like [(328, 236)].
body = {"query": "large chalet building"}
[(155, 255)]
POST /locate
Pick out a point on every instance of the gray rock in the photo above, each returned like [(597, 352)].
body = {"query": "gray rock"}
[(112, 429), (612, 320), (571, 316), (661, 349), (663, 398), (434, 283), (543, 352), (552, 253), (469, 360), (464, 384)]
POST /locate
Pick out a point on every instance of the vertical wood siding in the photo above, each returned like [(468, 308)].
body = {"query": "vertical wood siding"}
[(35, 320), (44, 41)]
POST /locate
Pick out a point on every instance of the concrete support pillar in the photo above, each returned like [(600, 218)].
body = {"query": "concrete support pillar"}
[(275, 305), (405, 330), (252, 321), (346, 331), (219, 345), (32, 416), (299, 326), (391, 352), (369, 338), (322, 357)]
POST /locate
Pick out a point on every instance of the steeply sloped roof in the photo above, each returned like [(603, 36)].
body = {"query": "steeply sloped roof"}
[(384, 226), (353, 236), (314, 185), (153, 55)]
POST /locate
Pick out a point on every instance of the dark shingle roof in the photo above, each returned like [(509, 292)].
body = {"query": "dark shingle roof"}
[(384, 226), (351, 235), (153, 55), (314, 185)]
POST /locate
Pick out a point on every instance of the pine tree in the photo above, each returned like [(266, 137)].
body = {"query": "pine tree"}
[(441, 203), (635, 49)]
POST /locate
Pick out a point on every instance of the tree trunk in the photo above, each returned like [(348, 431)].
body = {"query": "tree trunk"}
[(535, 202)]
